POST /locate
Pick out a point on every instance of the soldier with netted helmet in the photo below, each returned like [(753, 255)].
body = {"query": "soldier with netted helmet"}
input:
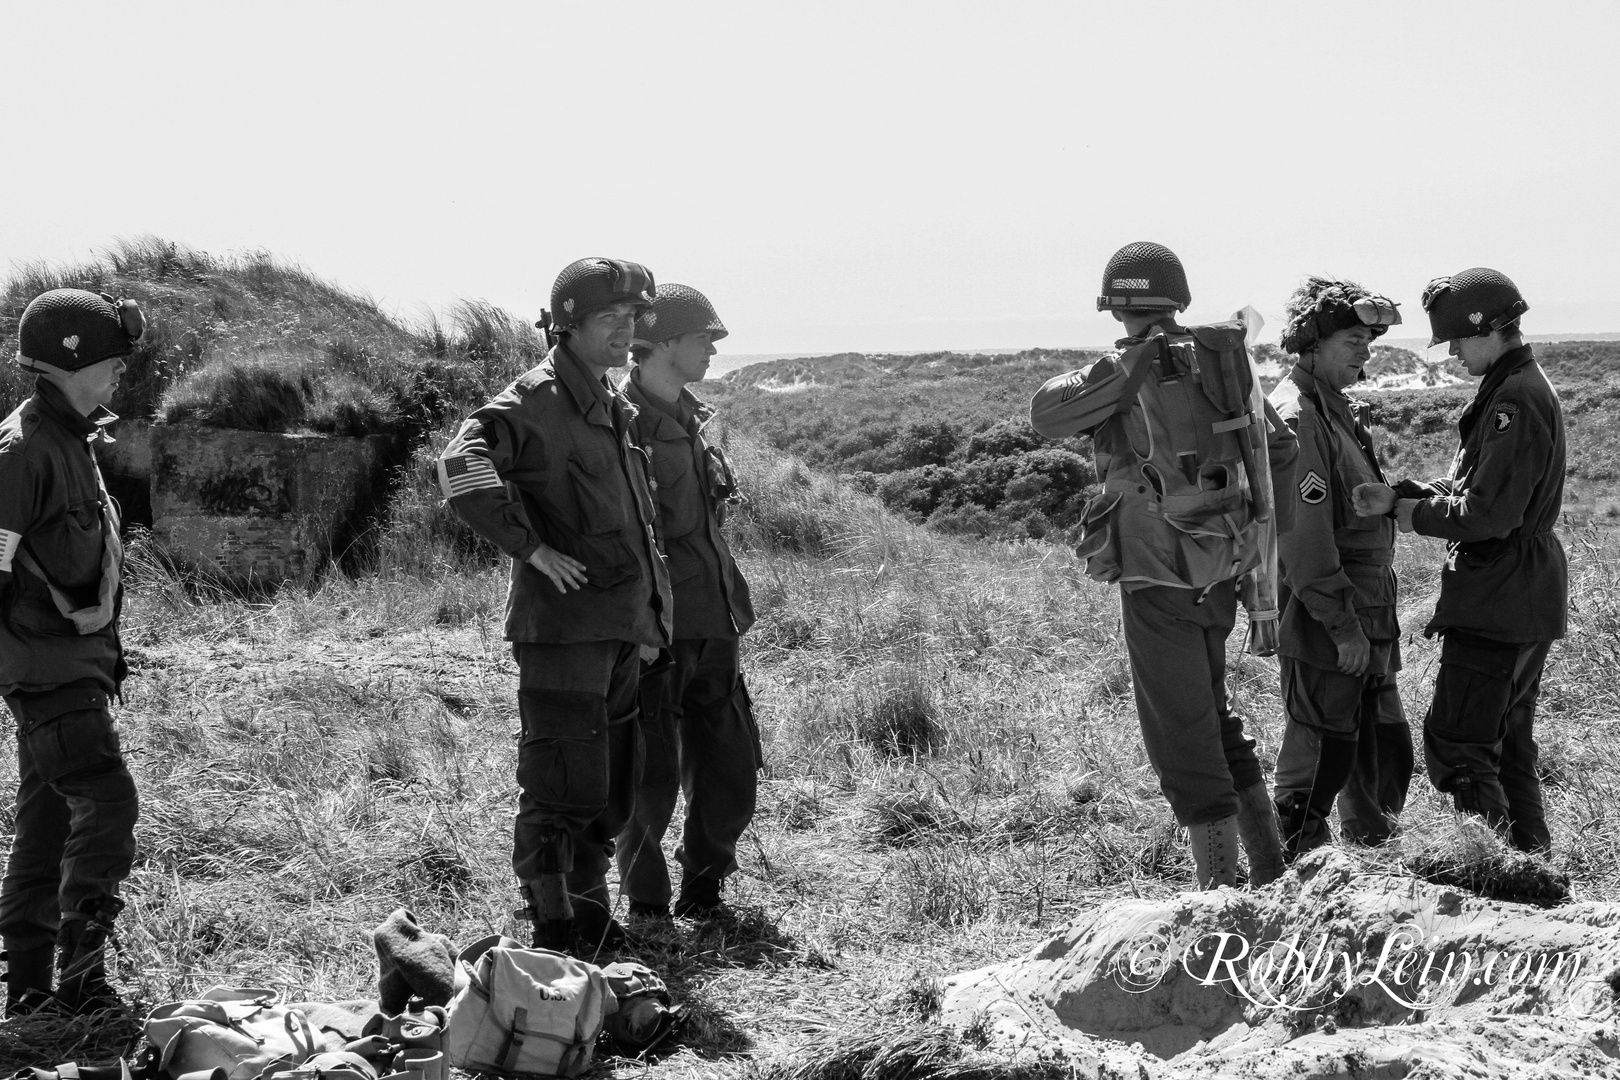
[(1194, 465), (61, 659), (1505, 583), (697, 722), (1346, 736), (550, 473)]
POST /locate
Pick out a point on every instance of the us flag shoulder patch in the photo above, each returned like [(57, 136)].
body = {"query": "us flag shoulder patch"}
[(9, 543), (1313, 489), (462, 473), (1504, 415)]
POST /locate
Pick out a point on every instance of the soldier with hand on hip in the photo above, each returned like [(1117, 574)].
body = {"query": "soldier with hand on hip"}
[(1340, 645), (1504, 586), (697, 721), (589, 591), (1195, 468), (61, 660)]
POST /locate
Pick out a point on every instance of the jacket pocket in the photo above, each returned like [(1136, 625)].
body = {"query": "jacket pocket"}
[(596, 491), (1099, 537), (1344, 514), (680, 503)]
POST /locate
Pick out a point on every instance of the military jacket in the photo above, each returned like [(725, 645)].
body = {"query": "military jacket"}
[(1135, 534), (56, 514), (552, 460), (1506, 576), (693, 482), (1337, 566)]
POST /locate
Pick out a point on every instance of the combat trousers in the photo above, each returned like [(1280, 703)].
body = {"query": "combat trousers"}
[(1479, 738), (1360, 718), (1176, 639), (76, 811), (576, 758), (700, 740)]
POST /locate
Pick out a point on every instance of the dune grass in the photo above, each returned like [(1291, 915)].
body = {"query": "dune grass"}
[(954, 771)]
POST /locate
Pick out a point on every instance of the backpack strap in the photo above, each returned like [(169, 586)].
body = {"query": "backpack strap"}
[(512, 1045)]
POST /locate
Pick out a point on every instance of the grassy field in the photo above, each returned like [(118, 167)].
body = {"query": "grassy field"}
[(954, 771)]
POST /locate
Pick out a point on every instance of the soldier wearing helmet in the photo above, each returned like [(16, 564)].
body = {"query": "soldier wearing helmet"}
[(1340, 638), (697, 722), (61, 661), (549, 472), (1176, 421), (1504, 586)]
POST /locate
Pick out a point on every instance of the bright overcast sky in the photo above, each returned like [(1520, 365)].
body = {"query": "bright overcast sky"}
[(865, 176)]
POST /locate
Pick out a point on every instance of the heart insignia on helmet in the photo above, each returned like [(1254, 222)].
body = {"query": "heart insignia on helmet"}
[(1476, 317), (1313, 489), (568, 305), (71, 343)]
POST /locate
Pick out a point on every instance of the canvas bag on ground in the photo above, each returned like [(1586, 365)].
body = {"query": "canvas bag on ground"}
[(528, 1011), (238, 1029)]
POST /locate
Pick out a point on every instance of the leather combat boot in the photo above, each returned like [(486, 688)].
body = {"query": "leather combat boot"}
[(1293, 812), (699, 897), (1214, 851), (1257, 825), (81, 958), (550, 912), (28, 977), (598, 931)]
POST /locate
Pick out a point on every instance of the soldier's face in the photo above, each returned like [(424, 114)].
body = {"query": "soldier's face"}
[(689, 355), (602, 338), (1342, 356), (99, 382), (1477, 353)]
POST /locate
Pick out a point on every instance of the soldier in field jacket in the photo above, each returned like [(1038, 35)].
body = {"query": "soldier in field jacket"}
[(549, 472), (697, 721), (1504, 587), (61, 661), (1346, 735)]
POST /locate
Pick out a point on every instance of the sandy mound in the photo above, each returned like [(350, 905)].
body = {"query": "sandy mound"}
[(1330, 972)]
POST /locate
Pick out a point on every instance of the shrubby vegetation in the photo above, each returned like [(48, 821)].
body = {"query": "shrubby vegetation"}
[(248, 341), (942, 438)]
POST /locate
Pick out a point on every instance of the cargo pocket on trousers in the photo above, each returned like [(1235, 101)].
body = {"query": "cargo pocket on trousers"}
[(1472, 691), (563, 755), (68, 731)]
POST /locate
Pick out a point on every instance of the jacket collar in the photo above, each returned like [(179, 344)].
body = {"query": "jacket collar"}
[(54, 403), (700, 411), (1506, 365), (1324, 395), (592, 396)]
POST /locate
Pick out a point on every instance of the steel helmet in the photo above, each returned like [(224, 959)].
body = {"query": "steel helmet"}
[(71, 329), (588, 285), (677, 310), (1472, 303), (1322, 307), (1144, 275)]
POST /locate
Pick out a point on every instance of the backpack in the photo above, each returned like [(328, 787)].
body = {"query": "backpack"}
[(239, 1030), (642, 1016), (1190, 457), (527, 1011)]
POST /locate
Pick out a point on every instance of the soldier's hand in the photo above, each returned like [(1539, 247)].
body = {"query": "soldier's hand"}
[(1354, 655), (564, 571), (1403, 513), (1372, 500)]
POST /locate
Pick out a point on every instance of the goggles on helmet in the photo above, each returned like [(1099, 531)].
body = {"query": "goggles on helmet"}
[(1377, 311)]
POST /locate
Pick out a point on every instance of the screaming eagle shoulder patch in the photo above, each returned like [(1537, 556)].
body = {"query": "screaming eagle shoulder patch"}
[(1503, 417), (1313, 489)]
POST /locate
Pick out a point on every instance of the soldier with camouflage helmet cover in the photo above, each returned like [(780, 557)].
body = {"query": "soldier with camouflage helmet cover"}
[(1340, 637), (697, 720), (61, 660), (1504, 586), (550, 473)]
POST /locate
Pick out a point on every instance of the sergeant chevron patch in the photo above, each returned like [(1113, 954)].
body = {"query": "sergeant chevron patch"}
[(1313, 489)]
